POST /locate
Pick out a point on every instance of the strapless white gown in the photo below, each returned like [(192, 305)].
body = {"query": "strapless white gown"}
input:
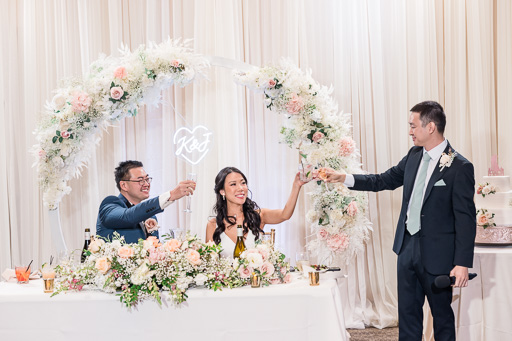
[(229, 246)]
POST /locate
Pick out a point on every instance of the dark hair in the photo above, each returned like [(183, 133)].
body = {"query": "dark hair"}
[(431, 111), (252, 219), (124, 169)]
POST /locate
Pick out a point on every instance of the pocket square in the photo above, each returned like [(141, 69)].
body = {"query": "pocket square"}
[(440, 183)]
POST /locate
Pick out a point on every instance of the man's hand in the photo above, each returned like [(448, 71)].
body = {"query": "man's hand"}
[(184, 188), (329, 175), (461, 276)]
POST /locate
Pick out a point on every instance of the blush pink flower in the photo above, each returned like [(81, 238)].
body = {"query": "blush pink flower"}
[(295, 105), (102, 265), (80, 101), (193, 257), (322, 233), (245, 272), (155, 256), (151, 225), (42, 154), (125, 252), (347, 146), (175, 63), (283, 270), (318, 136), (352, 209), (287, 278), (271, 83), (275, 281), (150, 242), (338, 242), (65, 134), (482, 219), (268, 269), (172, 245), (120, 72), (116, 92)]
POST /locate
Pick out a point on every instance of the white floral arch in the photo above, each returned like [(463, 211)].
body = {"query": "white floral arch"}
[(115, 88)]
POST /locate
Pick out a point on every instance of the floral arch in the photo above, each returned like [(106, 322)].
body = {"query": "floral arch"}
[(114, 88)]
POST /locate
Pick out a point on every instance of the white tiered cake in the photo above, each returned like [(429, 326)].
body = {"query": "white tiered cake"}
[(494, 204)]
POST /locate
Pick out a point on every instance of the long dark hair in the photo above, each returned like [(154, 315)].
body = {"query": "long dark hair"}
[(252, 219)]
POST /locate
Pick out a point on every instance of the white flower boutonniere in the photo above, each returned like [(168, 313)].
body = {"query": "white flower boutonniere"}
[(447, 159)]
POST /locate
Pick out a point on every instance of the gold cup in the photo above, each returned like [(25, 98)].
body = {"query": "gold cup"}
[(314, 278), (49, 284), (255, 280)]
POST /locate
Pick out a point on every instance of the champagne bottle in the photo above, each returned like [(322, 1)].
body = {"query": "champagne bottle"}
[(86, 244), (240, 245)]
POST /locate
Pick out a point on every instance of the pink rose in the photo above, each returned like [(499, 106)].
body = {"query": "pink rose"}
[(271, 83), (42, 154), (283, 270), (125, 252), (347, 146), (155, 256), (322, 233), (338, 242), (193, 257), (80, 101), (352, 209), (482, 219), (172, 245), (65, 134), (287, 278), (150, 242), (267, 268), (295, 105), (245, 272), (151, 225), (102, 265), (275, 281), (116, 92), (175, 63), (120, 72), (318, 136)]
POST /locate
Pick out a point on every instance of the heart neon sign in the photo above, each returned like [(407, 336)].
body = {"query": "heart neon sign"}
[(192, 145)]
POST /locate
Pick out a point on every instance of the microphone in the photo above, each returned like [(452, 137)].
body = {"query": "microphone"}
[(444, 281)]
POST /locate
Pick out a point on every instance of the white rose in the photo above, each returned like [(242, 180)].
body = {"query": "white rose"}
[(486, 190), (200, 279), (255, 260), (58, 101), (116, 244), (445, 159), (96, 244)]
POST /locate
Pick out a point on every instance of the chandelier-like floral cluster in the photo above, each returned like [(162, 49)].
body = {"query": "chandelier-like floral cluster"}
[(142, 271), (323, 137), (113, 89)]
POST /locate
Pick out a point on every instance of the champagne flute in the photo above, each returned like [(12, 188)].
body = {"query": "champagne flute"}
[(301, 259), (191, 177)]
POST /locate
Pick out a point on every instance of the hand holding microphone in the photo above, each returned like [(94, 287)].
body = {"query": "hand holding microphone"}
[(444, 281)]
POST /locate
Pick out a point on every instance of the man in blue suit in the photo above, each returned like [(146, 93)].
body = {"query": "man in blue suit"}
[(437, 225), (127, 212)]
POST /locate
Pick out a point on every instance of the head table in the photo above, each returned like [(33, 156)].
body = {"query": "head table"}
[(294, 311)]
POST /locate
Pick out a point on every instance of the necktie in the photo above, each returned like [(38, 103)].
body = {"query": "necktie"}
[(413, 222)]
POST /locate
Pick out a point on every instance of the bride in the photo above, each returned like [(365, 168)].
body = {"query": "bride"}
[(233, 208)]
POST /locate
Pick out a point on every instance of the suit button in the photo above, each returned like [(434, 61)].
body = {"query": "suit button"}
[(422, 215)]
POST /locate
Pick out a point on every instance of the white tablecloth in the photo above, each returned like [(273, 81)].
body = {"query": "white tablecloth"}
[(483, 310), (292, 311)]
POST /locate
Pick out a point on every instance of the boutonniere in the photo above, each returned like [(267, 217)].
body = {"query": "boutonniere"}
[(447, 159), (151, 225)]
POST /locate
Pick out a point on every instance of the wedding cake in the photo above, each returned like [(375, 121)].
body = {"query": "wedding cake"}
[(494, 207)]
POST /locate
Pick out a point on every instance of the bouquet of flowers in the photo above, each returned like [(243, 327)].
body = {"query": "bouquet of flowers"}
[(267, 262), (485, 218), (486, 189), (146, 270)]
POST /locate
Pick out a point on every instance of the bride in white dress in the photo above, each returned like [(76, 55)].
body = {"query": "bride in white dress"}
[(233, 208)]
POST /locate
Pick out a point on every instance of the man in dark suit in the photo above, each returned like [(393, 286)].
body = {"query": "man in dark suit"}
[(127, 212), (437, 225)]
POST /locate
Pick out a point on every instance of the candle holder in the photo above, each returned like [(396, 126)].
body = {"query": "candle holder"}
[(314, 278), (255, 280)]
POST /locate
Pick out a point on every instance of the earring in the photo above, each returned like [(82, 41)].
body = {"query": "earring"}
[(223, 197)]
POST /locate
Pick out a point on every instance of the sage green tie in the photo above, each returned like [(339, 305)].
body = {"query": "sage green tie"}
[(413, 222)]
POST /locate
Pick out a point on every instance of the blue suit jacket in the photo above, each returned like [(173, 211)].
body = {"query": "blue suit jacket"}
[(116, 215), (448, 214)]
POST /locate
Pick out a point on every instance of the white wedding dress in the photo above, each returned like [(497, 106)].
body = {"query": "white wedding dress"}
[(228, 245)]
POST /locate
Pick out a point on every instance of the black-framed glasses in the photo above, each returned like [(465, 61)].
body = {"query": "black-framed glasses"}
[(141, 181)]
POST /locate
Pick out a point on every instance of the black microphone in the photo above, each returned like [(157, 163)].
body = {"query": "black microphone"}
[(444, 281)]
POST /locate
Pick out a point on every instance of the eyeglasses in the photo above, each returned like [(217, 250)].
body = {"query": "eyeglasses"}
[(141, 181)]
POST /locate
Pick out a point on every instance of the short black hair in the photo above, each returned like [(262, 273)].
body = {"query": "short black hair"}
[(431, 111), (124, 169)]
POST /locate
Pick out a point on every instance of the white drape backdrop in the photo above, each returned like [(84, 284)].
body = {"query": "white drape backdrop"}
[(382, 57)]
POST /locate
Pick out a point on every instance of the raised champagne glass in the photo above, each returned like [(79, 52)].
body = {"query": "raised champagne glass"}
[(191, 177)]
